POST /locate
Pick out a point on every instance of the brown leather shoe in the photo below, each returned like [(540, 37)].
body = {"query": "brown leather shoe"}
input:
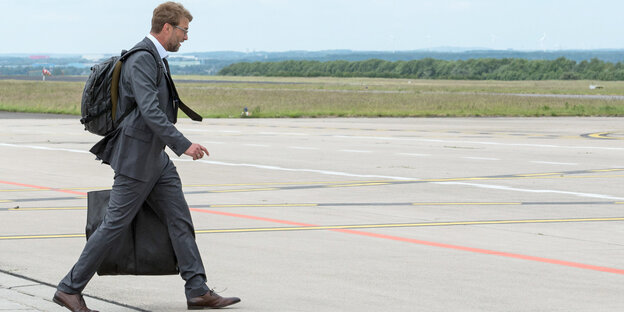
[(210, 300), (74, 303)]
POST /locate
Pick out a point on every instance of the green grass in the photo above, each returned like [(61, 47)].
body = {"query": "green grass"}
[(344, 97)]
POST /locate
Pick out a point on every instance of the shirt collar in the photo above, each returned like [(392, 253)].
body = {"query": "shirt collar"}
[(161, 50)]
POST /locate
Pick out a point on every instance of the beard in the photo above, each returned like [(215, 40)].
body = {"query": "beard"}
[(173, 45)]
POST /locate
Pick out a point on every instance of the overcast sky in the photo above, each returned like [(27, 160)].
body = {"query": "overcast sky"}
[(89, 26)]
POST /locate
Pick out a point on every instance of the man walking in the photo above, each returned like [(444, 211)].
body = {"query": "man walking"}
[(143, 171)]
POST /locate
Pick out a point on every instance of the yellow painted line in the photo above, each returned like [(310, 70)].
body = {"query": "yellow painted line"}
[(49, 208), (607, 170), (5, 201), (346, 227), (463, 204), (245, 190), (41, 236), (467, 179), (25, 190), (264, 205), (369, 226), (596, 176), (603, 135), (619, 203), (539, 174)]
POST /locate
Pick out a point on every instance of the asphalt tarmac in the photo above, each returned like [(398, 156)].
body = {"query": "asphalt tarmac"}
[(417, 214)]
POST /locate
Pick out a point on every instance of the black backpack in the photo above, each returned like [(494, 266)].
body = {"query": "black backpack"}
[(100, 95)]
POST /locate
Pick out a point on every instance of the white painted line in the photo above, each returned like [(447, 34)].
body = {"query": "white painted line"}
[(229, 131), (46, 148), (326, 172), (282, 133), (257, 145), (413, 154), (303, 148), (354, 151), (481, 158), (585, 146), (507, 188), (220, 163), (553, 163)]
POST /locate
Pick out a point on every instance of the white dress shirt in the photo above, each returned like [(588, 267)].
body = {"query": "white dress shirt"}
[(161, 50)]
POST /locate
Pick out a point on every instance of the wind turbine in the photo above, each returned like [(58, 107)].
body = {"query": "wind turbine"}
[(542, 41)]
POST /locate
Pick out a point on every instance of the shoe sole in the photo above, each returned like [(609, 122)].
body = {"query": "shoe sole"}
[(188, 307), (58, 302)]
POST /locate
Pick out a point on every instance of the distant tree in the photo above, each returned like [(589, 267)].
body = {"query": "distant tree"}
[(429, 68)]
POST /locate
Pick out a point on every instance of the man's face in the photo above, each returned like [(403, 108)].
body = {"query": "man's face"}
[(178, 35)]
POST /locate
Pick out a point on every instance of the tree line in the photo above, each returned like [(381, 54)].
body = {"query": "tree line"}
[(429, 68)]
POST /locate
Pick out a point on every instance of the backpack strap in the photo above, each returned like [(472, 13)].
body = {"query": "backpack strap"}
[(117, 74)]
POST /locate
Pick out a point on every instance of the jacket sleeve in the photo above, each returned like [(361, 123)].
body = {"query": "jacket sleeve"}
[(143, 69)]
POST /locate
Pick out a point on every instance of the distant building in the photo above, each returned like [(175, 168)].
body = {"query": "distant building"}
[(94, 57), (39, 57), (183, 60)]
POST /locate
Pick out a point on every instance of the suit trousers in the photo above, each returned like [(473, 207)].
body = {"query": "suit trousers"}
[(164, 194)]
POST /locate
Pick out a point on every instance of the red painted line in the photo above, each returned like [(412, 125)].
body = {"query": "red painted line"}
[(235, 215), (432, 244), (375, 235), (487, 252), (43, 188)]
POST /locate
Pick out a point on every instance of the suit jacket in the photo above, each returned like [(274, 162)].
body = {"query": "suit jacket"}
[(136, 148)]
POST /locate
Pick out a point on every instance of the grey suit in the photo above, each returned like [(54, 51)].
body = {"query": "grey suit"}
[(143, 172)]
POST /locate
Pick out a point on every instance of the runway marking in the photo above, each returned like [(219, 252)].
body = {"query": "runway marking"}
[(551, 175), (256, 145), (507, 188), (43, 208), (24, 190), (481, 158), (539, 174), (244, 190), (320, 184), (465, 204), (42, 188), (413, 154), (297, 226), (325, 172), (46, 148), (376, 204), (14, 237), (554, 163), (278, 168), (304, 148), (606, 170), (381, 138), (599, 135), (261, 205), (359, 184), (400, 225), (435, 244), (283, 133), (602, 136), (354, 151)]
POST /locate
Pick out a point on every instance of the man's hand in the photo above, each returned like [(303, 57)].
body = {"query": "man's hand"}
[(196, 151)]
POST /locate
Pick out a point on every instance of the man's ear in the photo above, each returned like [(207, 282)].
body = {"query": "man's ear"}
[(166, 28)]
